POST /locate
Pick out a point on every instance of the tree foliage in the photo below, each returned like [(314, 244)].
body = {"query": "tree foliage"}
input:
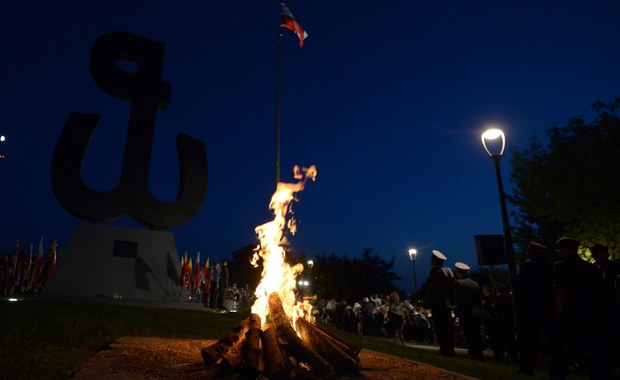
[(352, 279), (570, 185)]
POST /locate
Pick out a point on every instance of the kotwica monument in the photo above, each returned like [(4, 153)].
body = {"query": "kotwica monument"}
[(110, 261)]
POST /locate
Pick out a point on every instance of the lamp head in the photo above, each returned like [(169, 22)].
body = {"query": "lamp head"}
[(412, 254), (492, 135)]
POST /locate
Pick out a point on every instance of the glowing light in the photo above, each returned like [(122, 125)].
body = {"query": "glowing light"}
[(13, 299), (2, 138), (413, 253), (277, 275), (491, 135)]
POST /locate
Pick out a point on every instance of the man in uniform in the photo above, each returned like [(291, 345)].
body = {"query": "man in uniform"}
[(438, 294), (609, 269), (535, 303), (468, 300)]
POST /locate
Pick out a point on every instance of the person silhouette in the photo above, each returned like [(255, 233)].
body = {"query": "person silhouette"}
[(438, 294), (468, 299)]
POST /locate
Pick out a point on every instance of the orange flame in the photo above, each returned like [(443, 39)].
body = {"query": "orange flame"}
[(278, 276)]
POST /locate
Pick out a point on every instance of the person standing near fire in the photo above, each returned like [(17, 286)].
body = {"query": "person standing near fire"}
[(438, 294), (215, 274), (222, 284)]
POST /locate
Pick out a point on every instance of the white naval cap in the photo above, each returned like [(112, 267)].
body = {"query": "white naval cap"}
[(461, 266), (439, 255)]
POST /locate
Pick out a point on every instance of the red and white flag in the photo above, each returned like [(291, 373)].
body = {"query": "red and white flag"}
[(197, 273), (288, 21), (52, 259)]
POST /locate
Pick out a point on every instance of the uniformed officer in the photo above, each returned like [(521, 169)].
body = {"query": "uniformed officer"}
[(438, 294), (535, 303), (468, 301)]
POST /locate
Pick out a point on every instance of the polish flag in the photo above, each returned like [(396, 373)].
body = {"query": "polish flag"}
[(289, 22)]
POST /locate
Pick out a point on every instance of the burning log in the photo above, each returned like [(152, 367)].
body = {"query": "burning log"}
[(351, 349), (253, 359), (278, 352), (213, 353), (295, 346), (277, 364), (327, 347)]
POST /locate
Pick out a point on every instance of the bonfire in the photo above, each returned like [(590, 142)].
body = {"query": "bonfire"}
[(280, 339)]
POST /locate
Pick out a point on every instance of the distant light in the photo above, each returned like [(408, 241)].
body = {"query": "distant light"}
[(13, 299), (2, 156), (2, 138)]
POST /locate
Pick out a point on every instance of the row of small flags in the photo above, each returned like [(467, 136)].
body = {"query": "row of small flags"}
[(195, 277), (26, 273)]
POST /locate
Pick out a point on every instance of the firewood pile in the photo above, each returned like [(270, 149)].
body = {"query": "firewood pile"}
[(278, 352)]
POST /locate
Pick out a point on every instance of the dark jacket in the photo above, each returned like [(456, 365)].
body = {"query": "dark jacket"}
[(438, 290)]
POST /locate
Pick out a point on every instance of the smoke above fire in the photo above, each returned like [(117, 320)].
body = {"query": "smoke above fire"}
[(277, 275)]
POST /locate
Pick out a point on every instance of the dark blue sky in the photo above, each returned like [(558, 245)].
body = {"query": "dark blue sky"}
[(387, 99)]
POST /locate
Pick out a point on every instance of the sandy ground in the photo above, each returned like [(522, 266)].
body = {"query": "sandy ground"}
[(157, 358)]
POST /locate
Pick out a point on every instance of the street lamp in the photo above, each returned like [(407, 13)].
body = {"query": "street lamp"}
[(2, 139), (489, 136), (413, 253)]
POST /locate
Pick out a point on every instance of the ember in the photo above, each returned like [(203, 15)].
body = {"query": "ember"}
[(280, 340)]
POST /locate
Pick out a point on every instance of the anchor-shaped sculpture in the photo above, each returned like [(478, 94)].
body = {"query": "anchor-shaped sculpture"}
[(131, 196)]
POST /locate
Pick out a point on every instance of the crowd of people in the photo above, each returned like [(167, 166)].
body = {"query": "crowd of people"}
[(566, 314), (378, 316)]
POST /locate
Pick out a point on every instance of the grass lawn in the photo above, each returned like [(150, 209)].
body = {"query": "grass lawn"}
[(45, 339)]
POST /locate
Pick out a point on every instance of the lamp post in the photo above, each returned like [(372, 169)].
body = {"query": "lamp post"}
[(2, 139), (491, 135), (412, 255), (306, 284)]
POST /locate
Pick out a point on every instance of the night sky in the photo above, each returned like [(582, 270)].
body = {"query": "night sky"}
[(387, 99)]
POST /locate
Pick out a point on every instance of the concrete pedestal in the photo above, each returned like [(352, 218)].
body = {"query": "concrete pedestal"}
[(117, 262)]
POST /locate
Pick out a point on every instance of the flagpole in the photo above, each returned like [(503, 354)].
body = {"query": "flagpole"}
[(278, 63)]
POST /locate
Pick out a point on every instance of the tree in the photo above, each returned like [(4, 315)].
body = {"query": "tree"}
[(570, 186), (353, 279)]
